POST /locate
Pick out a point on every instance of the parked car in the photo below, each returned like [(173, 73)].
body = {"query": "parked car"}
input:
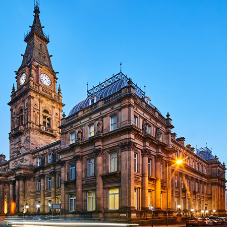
[(192, 222)]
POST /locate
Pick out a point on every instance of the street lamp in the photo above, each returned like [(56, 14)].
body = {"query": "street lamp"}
[(214, 212), (192, 210), (38, 207), (179, 206), (178, 162), (207, 211), (202, 211)]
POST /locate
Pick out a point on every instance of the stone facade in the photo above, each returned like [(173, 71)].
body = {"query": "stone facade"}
[(112, 157)]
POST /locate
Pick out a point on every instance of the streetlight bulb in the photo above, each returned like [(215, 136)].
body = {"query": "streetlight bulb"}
[(179, 161), (202, 211), (178, 206), (192, 210), (214, 211), (207, 211)]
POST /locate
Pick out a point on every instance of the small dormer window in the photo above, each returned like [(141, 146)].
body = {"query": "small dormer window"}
[(92, 100), (147, 100)]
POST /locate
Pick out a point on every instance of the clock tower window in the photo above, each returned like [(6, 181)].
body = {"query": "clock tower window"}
[(20, 117), (46, 118)]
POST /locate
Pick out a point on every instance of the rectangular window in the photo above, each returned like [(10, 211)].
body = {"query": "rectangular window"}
[(113, 122), (39, 185), (49, 158), (161, 169), (59, 180), (136, 121), (72, 138), (135, 162), (135, 198), (182, 183), (176, 181), (148, 129), (90, 167), (72, 202), (149, 167), (49, 183), (72, 172), (39, 161), (113, 162), (91, 130), (114, 199), (91, 200)]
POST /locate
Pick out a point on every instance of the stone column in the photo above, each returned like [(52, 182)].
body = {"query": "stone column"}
[(127, 175), (42, 193), (174, 194), (79, 196), (63, 179), (11, 197), (158, 182), (99, 181), (17, 195), (21, 196), (1, 197), (145, 154), (169, 187), (180, 187), (53, 186)]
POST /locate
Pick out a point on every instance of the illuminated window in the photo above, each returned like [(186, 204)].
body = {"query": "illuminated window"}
[(39, 185), (91, 130), (149, 198), (113, 122), (91, 167), (72, 172), (91, 200), (149, 167), (136, 198), (113, 162), (72, 202), (176, 181), (72, 138), (135, 162), (135, 121), (114, 199)]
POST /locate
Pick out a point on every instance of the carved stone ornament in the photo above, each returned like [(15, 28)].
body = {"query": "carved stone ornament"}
[(98, 152), (127, 146), (158, 134), (144, 126), (52, 173), (79, 134), (99, 126), (41, 176), (78, 157), (145, 152)]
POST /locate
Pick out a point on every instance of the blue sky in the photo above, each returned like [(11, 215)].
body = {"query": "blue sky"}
[(176, 48)]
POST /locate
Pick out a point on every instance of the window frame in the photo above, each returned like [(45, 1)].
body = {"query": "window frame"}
[(135, 120), (113, 194), (113, 125), (91, 167), (72, 171), (72, 140), (49, 183), (72, 198), (136, 162), (90, 132), (113, 160), (38, 185), (91, 198)]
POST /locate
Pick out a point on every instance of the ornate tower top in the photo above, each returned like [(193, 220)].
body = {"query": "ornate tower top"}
[(37, 42)]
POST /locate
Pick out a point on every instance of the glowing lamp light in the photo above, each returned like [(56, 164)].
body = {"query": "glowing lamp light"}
[(38, 205), (207, 211), (179, 161), (192, 210), (214, 211), (26, 206), (49, 204), (202, 211), (178, 206)]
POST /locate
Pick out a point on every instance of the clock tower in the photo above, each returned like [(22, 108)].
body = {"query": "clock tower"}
[(36, 104)]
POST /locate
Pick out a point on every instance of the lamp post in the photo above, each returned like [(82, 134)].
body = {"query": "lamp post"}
[(202, 211), (214, 212), (38, 207), (178, 162), (207, 211), (179, 206), (192, 210)]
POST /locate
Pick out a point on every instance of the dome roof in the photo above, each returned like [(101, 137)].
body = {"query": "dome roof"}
[(105, 89)]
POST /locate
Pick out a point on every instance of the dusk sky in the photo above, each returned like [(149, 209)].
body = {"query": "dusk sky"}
[(177, 48)]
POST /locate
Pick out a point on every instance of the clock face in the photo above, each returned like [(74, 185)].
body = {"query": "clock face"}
[(45, 79), (22, 79)]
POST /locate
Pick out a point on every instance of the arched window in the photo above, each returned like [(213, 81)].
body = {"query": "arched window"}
[(46, 118)]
